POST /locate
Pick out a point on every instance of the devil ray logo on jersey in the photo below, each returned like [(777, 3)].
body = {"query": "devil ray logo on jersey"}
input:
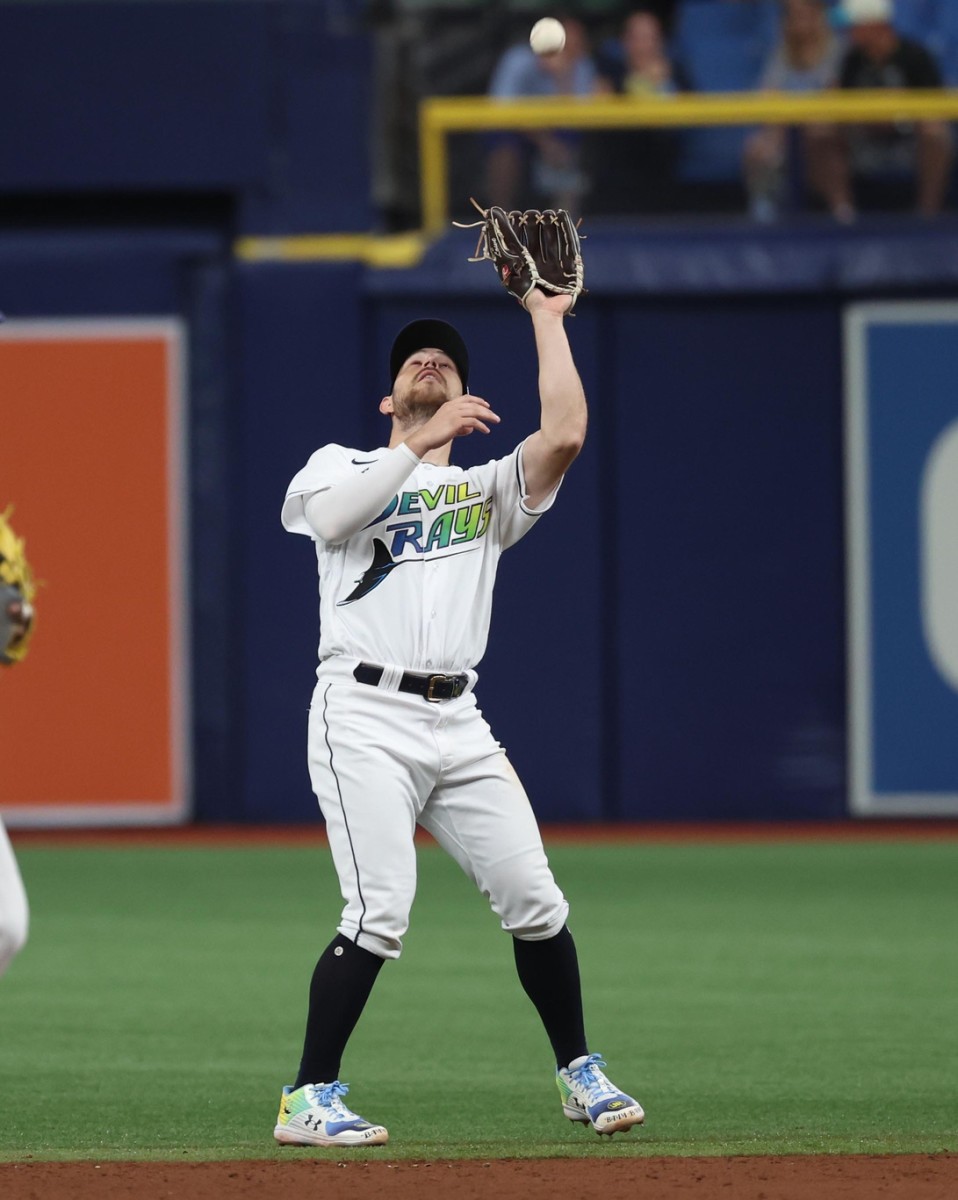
[(383, 562), (463, 521)]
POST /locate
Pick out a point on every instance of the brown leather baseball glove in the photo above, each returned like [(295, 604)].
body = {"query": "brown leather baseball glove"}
[(531, 249)]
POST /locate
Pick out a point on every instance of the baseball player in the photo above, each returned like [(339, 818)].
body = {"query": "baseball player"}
[(407, 547), (16, 619)]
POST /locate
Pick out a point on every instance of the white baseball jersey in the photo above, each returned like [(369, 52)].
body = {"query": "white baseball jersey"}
[(414, 587)]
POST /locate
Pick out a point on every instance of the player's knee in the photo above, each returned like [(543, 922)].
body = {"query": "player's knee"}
[(377, 918), (525, 896), (383, 946), (382, 938), (537, 922)]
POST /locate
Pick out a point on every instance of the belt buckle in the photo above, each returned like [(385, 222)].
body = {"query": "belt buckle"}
[(433, 680)]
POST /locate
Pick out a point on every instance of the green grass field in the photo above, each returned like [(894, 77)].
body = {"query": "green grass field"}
[(763, 998)]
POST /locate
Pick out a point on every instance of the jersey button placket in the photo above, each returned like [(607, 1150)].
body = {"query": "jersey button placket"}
[(429, 611)]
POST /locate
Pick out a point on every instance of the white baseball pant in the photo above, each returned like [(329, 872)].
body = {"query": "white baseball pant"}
[(382, 761), (14, 914)]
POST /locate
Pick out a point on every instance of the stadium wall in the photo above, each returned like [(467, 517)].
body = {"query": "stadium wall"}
[(669, 643), (263, 104)]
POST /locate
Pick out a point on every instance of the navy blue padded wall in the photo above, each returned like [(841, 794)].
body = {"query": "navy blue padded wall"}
[(320, 117), (101, 95), (111, 272), (299, 376), (730, 578), (265, 101)]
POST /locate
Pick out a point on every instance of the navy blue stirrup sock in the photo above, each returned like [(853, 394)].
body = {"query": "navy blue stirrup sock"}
[(338, 991), (549, 972)]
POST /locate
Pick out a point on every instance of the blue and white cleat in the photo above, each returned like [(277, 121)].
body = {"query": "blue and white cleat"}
[(591, 1097), (314, 1115)]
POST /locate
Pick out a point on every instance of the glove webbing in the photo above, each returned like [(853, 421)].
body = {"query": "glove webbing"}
[(491, 246)]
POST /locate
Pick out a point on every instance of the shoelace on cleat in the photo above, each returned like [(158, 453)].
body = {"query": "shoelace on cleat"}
[(330, 1097), (589, 1077)]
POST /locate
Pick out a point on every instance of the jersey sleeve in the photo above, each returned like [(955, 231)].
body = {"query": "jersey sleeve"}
[(515, 515), (326, 467)]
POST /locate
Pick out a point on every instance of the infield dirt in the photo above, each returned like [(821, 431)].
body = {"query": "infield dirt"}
[(800, 1177)]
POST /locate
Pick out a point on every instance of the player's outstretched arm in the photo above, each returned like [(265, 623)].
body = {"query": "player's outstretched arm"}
[(550, 451)]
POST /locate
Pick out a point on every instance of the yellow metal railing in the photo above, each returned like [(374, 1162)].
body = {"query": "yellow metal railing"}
[(441, 116)]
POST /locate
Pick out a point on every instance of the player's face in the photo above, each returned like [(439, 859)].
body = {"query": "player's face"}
[(427, 380)]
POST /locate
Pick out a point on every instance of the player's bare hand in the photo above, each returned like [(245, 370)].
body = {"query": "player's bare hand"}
[(540, 301), (456, 418)]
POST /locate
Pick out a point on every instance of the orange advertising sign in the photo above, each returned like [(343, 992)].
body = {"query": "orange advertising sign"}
[(94, 720)]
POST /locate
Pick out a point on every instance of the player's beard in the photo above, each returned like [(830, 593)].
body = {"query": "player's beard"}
[(415, 405)]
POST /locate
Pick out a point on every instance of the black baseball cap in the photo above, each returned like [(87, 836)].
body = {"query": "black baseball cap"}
[(429, 333)]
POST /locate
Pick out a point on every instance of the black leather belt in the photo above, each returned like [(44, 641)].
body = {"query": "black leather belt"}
[(430, 687)]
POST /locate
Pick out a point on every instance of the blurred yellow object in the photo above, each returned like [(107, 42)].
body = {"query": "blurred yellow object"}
[(15, 573)]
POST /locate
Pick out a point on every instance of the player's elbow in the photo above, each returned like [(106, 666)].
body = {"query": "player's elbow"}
[(327, 531), (557, 459), (322, 521), (565, 441), (576, 439)]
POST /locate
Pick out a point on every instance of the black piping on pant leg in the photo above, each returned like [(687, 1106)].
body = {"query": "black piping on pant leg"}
[(342, 807)]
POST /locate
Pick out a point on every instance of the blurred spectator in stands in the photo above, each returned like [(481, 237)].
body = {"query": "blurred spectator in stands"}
[(545, 163), (663, 11), (806, 59), (643, 67), (880, 57), (634, 170)]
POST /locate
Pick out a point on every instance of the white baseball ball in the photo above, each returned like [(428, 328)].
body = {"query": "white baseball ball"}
[(547, 36)]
